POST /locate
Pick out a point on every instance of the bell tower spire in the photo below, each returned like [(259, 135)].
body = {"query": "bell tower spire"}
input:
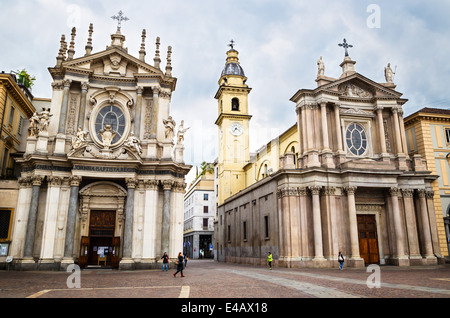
[(233, 123)]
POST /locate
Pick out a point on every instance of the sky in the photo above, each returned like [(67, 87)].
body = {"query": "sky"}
[(279, 43)]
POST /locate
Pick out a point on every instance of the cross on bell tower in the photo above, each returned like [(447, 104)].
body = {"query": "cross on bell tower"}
[(119, 17)]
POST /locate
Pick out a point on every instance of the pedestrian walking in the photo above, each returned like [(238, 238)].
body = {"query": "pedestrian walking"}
[(165, 259), (340, 260), (185, 260), (179, 263), (269, 260)]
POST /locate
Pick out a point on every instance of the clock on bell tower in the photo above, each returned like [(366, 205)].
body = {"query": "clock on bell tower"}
[(233, 124)]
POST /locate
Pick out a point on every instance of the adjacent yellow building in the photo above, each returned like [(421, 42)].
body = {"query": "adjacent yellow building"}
[(428, 134), (15, 109)]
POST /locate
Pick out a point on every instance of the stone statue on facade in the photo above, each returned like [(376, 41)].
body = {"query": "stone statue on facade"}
[(33, 129), (321, 67), (134, 143), (389, 73), (39, 122), (80, 139), (181, 131), (44, 119), (169, 123), (107, 135)]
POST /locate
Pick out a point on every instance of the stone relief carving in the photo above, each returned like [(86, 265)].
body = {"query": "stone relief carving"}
[(351, 90)]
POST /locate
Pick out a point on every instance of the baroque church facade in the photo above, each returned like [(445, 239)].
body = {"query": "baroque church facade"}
[(339, 180), (103, 175)]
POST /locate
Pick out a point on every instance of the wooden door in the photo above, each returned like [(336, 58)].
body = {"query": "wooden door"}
[(368, 241), (84, 251), (115, 253)]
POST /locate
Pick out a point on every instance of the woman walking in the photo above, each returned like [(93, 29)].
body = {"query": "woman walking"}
[(340, 260), (179, 265), (165, 259)]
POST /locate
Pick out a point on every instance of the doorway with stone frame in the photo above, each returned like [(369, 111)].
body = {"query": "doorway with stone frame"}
[(101, 218), (369, 222)]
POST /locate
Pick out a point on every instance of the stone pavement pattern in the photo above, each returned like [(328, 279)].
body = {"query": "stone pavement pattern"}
[(208, 279)]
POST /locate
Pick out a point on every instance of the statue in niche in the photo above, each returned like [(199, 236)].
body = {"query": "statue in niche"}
[(181, 131), (321, 67), (107, 135), (389, 73), (134, 143), (80, 139), (170, 127)]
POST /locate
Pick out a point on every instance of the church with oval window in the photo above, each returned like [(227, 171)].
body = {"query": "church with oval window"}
[(340, 179), (103, 176)]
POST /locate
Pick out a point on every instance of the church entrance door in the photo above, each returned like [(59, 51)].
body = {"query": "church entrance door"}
[(368, 241), (101, 248)]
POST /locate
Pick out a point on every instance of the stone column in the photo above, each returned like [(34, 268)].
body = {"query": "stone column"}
[(165, 230), (380, 126), (304, 136), (425, 225), (32, 217), (65, 103), (302, 191), (156, 119), (433, 224), (128, 228), (402, 130), (353, 224), (150, 213), (71, 219), (338, 127), (398, 228), (398, 139), (82, 111), (317, 220), (408, 202), (298, 110), (284, 222), (137, 117), (323, 114)]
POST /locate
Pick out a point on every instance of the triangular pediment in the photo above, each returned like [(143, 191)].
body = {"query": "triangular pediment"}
[(359, 86), (114, 60)]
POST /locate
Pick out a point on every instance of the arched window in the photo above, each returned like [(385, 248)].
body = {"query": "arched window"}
[(295, 156), (235, 104)]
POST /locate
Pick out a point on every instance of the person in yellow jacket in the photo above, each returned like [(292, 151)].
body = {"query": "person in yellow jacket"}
[(269, 260)]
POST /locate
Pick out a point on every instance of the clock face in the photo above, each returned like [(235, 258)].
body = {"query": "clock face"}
[(236, 129)]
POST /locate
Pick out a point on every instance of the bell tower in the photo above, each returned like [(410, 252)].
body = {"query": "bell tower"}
[(233, 123)]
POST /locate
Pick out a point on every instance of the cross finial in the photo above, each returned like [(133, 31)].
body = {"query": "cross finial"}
[(119, 17), (345, 45), (231, 44)]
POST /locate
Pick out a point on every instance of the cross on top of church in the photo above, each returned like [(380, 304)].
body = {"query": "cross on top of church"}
[(231, 44), (119, 17), (345, 45)]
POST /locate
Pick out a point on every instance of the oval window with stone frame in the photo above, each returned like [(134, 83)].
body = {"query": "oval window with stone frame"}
[(356, 139)]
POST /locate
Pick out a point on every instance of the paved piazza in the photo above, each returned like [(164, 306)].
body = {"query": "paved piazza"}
[(219, 281)]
